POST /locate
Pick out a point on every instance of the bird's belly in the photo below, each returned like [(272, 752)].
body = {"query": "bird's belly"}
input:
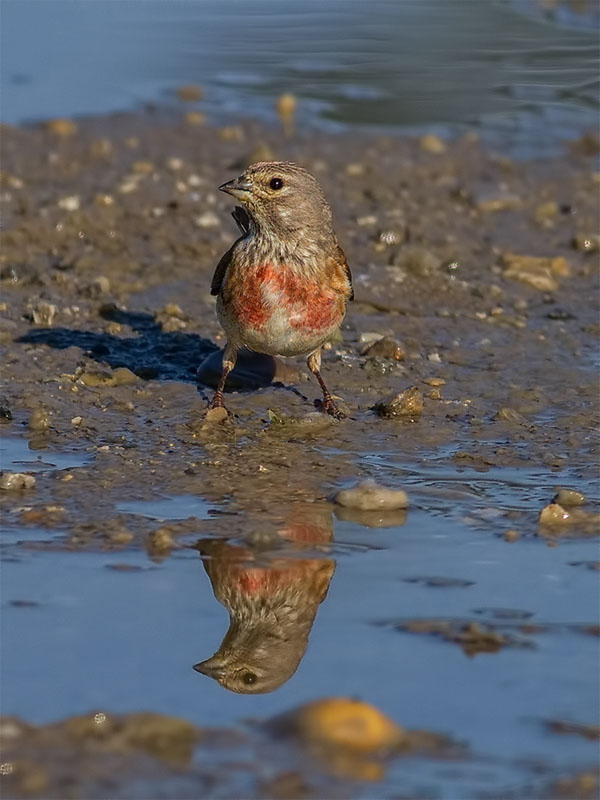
[(279, 336), (283, 315)]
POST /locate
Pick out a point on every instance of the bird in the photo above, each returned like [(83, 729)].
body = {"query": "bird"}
[(283, 286)]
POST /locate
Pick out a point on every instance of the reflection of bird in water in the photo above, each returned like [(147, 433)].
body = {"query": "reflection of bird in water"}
[(271, 607)]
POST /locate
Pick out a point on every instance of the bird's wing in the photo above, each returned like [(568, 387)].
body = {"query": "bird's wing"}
[(218, 277), (340, 259), (242, 221)]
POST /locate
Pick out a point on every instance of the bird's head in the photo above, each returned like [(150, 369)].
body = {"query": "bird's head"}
[(281, 198)]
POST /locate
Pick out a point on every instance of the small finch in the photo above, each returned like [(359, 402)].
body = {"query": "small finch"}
[(283, 287)]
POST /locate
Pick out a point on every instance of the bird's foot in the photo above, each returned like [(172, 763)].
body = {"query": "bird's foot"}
[(217, 402), (328, 406)]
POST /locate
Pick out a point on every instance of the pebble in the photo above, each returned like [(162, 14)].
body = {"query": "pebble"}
[(207, 220), (190, 94), (216, 415), (432, 144), (160, 541), (384, 348), (16, 481), (62, 127), (539, 273), (286, 109), (587, 244), (490, 202), (5, 412), (231, 133), (554, 514), (408, 403), (342, 723), (569, 497), (512, 535), (195, 118), (369, 337), (510, 415), (70, 203), (44, 313), (417, 260), (39, 420), (370, 496)]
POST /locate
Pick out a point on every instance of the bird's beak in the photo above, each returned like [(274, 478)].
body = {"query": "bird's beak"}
[(239, 188), (211, 669)]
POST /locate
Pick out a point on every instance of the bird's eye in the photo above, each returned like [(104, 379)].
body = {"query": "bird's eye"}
[(249, 678), (276, 183)]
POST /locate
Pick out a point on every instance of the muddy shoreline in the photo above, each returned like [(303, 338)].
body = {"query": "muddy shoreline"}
[(480, 272)]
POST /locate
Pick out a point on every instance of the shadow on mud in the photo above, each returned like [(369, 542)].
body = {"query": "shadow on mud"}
[(155, 354)]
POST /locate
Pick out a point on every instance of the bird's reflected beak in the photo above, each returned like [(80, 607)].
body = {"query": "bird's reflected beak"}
[(239, 187)]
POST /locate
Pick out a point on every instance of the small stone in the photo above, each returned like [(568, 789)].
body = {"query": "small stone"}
[(384, 348), (39, 420), (104, 200), (174, 163), (554, 514), (435, 382), (587, 243), (231, 133), (369, 337), (569, 497), (216, 415), (354, 170), (510, 415), (539, 273), (16, 481), (512, 535), (408, 403), (76, 421), (366, 221), (142, 167), (100, 285), (491, 202), (62, 127), (547, 212), (5, 412), (207, 220), (369, 496), (160, 541), (417, 260), (44, 313), (190, 94), (432, 144), (195, 118), (70, 203), (286, 109)]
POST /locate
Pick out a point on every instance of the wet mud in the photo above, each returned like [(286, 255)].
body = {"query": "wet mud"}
[(466, 367)]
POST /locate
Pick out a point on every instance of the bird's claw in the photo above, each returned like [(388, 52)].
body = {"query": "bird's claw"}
[(329, 407)]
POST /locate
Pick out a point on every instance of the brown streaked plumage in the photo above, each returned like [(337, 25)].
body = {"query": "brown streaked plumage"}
[(283, 287)]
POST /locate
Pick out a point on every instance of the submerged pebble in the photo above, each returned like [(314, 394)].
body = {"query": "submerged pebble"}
[(370, 496), (16, 481), (342, 722), (569, 497)]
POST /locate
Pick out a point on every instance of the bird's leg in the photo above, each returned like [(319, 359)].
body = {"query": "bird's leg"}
[(314, 364), (229, 359)]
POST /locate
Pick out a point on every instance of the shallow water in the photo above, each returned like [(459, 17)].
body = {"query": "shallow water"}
[(525, 72), (123, 631)]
